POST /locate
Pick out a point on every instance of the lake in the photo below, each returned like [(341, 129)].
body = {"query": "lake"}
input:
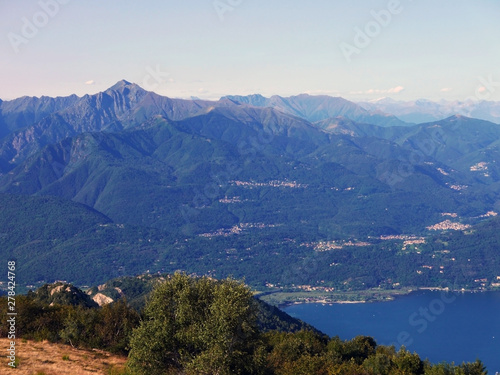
[(451, 327)]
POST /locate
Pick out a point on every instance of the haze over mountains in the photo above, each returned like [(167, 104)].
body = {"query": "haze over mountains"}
[(422, 110), (233, 186), (318, 108)]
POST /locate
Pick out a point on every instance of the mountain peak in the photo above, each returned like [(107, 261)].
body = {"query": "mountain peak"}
[(127, 89), (458, 117), (228, 101), (121, 84), (385, 100)]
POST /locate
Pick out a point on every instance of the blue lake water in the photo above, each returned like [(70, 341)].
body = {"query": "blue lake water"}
[(452, 327)]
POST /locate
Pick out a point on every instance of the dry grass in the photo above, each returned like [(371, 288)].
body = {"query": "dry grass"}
[(44, 358)]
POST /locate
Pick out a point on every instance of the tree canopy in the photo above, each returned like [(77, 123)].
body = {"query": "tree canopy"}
[(201, 325)]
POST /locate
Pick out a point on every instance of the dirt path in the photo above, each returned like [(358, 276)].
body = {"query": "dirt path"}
[(44, 358)]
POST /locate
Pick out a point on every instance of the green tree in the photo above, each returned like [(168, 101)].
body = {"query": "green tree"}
[(475, 368), (80, 328), (34, 320), (348, 368), (358, 349), (115, 326), (408, 363), (439, 369), (198, 326), (379, 363), (296, 353), (335, 350)]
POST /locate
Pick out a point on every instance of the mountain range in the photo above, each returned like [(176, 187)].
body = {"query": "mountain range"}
[(127, 181), (422, 110)]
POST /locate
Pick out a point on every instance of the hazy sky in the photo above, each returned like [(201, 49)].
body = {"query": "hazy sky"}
[(358, 49)]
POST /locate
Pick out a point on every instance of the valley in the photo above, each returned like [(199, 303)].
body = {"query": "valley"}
[(295, 195)]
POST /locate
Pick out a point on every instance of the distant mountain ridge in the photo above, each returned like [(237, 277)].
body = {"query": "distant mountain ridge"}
[(28, 124), (318, 108), (19, 113), (244, 185), (422, 110), (68, 152)]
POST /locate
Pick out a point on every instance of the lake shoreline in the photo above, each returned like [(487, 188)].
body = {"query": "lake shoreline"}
[(428, 319), (285, 299)]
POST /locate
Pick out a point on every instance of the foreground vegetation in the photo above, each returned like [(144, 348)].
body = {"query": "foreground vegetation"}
[(205, 326)]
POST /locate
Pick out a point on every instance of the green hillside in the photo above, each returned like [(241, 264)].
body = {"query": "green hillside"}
[(127, 182)]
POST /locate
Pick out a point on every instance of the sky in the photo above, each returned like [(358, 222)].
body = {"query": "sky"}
[(357, 49)]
